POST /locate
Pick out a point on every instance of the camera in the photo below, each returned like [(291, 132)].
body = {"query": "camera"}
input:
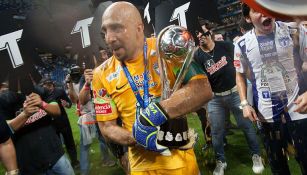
[(75, 74)]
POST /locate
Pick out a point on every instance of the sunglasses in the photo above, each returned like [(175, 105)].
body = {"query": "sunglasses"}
[(208, 33)]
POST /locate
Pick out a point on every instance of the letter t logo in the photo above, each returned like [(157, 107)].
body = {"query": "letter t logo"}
[(9, 42)]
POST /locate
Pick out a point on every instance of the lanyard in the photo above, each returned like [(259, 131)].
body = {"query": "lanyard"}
[(144, 102)]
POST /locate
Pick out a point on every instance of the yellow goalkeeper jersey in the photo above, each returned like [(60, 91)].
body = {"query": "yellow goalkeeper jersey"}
[(113, 98)]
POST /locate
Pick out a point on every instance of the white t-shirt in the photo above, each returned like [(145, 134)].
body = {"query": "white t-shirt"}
[(270, 59)]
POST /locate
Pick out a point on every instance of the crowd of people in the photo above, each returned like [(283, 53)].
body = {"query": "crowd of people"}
[(259, 78)]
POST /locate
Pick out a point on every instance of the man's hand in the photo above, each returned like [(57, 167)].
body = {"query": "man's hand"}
[(301, 103), (68, 78), (153, 115), (88, 75), (29, 110), (147, 137), (64, 103), (304, 66), (145, 128), (33, 100), (192, 137), (249, 112)]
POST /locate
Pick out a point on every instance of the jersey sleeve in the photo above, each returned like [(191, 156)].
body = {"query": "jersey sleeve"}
[(105, 107), (239, 60), (194, 72)]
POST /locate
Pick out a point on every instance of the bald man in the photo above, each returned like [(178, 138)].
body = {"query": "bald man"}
[(122, 89)]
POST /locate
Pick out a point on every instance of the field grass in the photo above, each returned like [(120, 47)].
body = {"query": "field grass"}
[(237, 154)]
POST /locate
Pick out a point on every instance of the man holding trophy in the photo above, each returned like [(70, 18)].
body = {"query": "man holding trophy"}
[(128, 86)]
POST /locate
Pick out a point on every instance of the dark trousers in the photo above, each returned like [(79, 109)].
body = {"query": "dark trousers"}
[(69, 142), (276, 137)]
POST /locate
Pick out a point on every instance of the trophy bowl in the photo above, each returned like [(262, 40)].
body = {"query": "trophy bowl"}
[(175, 43)]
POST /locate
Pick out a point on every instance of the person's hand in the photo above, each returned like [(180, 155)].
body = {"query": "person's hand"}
[(88, 75), (146, 128), (304, 66), (64, 103), (68, 78), (192, 138), (153, 115), (33, 100), (146, 136), (249, 112), (29, 110), (301, 103)]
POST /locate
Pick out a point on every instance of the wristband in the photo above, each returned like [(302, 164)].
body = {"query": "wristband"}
[(44, 105), (87, 87), (244, 103), (13, 172)]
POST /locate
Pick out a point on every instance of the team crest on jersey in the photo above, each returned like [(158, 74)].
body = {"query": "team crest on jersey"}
[(209, 63), (284, 41), (266, 94), (100, 93), (114, 75), (153, 53)]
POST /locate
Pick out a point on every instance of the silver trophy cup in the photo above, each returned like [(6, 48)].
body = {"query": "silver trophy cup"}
[(176, 48)]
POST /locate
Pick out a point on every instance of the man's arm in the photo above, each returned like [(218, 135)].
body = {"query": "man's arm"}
[(85, 93), (189, 98), (72, 93), (117, 134), (8, 155), (301, 103), (32, 105), (66, 102), (248, 111)]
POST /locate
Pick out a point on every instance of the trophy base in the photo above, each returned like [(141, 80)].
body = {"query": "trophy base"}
[(174, 133)]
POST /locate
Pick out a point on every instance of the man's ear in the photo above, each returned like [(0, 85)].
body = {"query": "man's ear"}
[(140, 28)]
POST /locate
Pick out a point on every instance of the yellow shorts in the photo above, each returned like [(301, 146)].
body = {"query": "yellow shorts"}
[(191, 169)]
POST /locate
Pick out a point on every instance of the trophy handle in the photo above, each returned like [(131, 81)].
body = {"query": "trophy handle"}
[(184, 69), (166, 90)]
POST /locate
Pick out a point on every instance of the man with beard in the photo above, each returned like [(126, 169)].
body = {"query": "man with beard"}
[(271, 55), (136, 100), (216, 59)]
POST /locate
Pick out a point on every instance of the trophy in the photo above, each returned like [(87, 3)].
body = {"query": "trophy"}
[(176, 48)]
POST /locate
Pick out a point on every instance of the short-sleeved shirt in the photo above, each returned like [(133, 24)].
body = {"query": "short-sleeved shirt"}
[(218, 65), (37, 145), (271, 61), (113, 97)]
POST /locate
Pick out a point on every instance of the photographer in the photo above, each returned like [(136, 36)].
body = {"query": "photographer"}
[(76, 84)]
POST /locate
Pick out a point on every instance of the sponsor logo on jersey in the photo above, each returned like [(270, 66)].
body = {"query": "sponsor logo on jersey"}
[(36, 116), (103, 109), (114, 75), (284, 41), (212, 67)]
